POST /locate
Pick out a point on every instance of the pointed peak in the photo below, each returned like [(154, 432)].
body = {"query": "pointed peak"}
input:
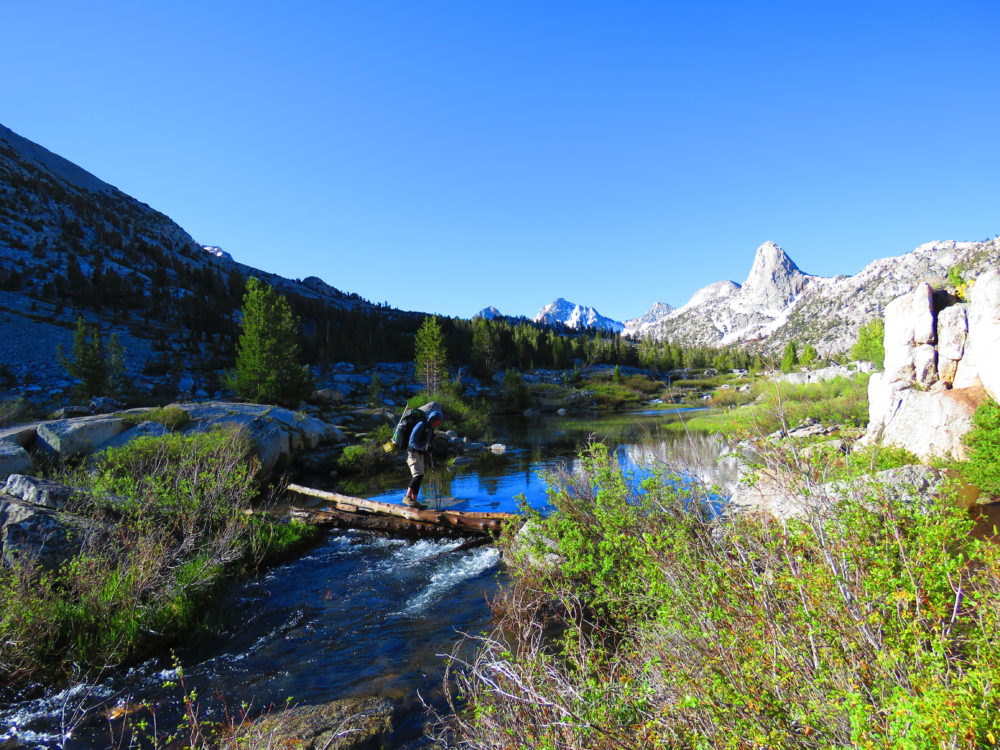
[(771, 255)]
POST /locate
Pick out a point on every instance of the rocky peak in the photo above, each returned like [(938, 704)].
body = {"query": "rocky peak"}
[(656, 313), (573, 315), (489, 313), (774, 279)]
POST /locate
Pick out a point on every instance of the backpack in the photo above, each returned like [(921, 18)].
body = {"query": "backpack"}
[(404, 428)]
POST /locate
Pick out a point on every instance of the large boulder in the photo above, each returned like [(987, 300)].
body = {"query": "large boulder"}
[(937, 364), (346, 724), (71, 437), (23, 434), (32, 533), (783, 495), (13, 459), (143, 429), (909, 322), (981, 362), (43, 492), (277, 433), (926, 423)]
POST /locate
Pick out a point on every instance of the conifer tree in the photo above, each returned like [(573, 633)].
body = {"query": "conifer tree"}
[(269, 365), (100, 370), (430, 355), (790, 357)]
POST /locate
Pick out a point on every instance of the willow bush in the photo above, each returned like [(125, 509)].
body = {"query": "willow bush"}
[(633, 619), (169, 524)]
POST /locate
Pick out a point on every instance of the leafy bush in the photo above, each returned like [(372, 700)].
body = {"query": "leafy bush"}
[(611, 395), (468, 418), (871, 626), (983, 465), (642, 384), (727, 397), (173, 525), (870, 345), (172, 417), (197, 479)]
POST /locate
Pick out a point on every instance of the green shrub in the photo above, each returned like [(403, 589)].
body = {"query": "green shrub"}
[(515, 393), (871, 626), (470, 419), (172, 417), (983, 465), (870, 345), (611, 395), (361, 459), (643, 384), (180, 479), (173, 525), (842, 401), (727, 397)]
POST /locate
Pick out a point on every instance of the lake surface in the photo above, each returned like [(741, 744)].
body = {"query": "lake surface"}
[(360, 614)]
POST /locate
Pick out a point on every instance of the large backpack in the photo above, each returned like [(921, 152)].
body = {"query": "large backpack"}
[(404, 428)]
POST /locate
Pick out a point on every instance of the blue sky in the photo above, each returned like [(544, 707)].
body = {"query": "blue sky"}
[(446, 156)]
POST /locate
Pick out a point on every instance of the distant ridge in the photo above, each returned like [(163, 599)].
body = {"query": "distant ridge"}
[(571, 315), (779, 303)]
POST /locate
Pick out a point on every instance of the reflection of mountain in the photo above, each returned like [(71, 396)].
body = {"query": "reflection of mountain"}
[(706, 457)]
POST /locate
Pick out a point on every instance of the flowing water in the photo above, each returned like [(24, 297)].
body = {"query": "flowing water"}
[(359, 614)]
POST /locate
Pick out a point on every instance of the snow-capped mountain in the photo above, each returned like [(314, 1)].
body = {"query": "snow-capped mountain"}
[(639, 326), (572, 315), (779, 303), (489, 313)]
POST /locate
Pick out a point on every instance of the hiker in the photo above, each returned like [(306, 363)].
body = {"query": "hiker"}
[(420, 443)]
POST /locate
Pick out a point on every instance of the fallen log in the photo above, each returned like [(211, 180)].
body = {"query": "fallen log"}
[(346, 512)]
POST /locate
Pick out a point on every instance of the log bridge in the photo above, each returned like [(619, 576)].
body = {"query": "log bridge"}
[(346, 512)]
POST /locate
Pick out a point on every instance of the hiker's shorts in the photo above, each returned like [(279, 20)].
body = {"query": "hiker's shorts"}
[(415, 461)]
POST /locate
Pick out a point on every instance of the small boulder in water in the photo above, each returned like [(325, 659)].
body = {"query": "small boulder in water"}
[(347, 724)]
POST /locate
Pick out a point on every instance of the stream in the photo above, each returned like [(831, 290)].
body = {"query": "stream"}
[(359, 614)]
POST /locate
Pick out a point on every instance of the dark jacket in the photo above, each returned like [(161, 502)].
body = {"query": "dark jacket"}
[(423, 433)]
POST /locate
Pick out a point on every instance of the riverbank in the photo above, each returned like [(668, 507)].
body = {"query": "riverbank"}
[(147, 532)]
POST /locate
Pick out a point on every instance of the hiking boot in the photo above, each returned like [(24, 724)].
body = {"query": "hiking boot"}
[(412, 502)]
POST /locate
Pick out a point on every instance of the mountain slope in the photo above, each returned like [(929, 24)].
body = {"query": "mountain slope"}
[(779, 303), (72, 245)]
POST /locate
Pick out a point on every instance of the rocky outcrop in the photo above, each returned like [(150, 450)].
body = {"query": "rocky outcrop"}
[(278, 434), (72, 437), (348, 724), (34, 526), (13, 458), (785, 495), (824, 374), (942, 359)]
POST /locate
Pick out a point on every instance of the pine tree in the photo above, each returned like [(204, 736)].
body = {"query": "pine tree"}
[(789, 357), (430, 355), (269, 365), (100, 370)]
